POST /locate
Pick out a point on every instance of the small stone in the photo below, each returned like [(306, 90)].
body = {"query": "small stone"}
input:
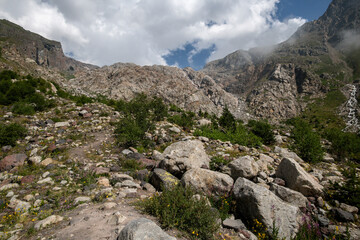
[(323, 221), (63, 182), (10, 194), (62, 124), (175, 130), (47, 180), (11, 161), (27, 179), (103, 181), (349, 208), (82, 200), (130, 184), (148, 187), (47, 161), (343, 216), (29, 197), (108, 206), (126, 152), (233, 224), (9, 186), (45, 174), (48, 221)]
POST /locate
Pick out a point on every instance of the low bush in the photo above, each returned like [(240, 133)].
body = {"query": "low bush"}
[(306, 141), (239, 136), (344, 144), (22, 93), (178, 208), (140, 115), (227, 120), (10, 133), (185, 120), (263, 130), (348, 192)]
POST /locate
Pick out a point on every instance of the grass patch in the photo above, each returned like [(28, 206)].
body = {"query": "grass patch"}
[(176, 207), (10, 133)]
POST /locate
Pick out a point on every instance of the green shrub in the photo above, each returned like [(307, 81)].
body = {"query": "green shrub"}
[(306, 141), (23, 108), (344, 144), (349, 192), (185, 120), (227, 120), (9, 134), (240, 136), (178, 208), (141, 113), (263, 130)]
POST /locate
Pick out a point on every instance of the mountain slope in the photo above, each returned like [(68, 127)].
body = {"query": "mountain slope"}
[(44, 52), (30, 53), (278, 81)]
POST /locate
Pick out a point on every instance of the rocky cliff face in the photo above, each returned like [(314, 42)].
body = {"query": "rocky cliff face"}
[(185, 88), (44, 52), (276, 80)]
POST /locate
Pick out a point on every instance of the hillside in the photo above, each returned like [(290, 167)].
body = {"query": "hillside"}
[(278, 81)]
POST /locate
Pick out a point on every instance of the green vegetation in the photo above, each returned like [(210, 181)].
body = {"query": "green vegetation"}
[(26, 94), (185, 120), (227, 120), (10, 133), (263, 130), (140, 115), (322, 113), (349, 192), (217, 162), (230, 130), (176, 207), (344, 144), (306, 141)]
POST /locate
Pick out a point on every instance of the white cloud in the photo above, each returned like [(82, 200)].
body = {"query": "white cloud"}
[(142, 31)]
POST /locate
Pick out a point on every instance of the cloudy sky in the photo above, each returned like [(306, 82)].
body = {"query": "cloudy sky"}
[(173, 32)]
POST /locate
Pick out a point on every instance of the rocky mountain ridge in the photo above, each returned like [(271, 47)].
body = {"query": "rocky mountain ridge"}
[(308, 65)]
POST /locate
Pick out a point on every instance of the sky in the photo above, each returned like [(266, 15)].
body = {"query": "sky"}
[(178, 33)]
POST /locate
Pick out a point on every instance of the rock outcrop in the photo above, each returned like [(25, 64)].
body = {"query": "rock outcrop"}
[(142, 228), (182, 156), (208, 182), (298, 179), (257, 202)]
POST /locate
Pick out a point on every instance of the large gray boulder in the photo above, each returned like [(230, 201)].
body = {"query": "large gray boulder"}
[(162, 179), (298, 179), (257, 202), (182, 156), (142, 228), (208, 182), (290, 196), (245, 167)]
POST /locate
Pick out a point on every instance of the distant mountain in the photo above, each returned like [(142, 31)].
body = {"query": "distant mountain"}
[(277, 81), (44, 52), (31, 53)]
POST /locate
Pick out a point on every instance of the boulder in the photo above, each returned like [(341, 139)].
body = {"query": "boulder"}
[(159, 177), (256, 202), (142, 228), (245, 167), (47, 221), (208, 182), (235, 224), (185, 155), (298, 179), (290, 196), (11, 161)]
